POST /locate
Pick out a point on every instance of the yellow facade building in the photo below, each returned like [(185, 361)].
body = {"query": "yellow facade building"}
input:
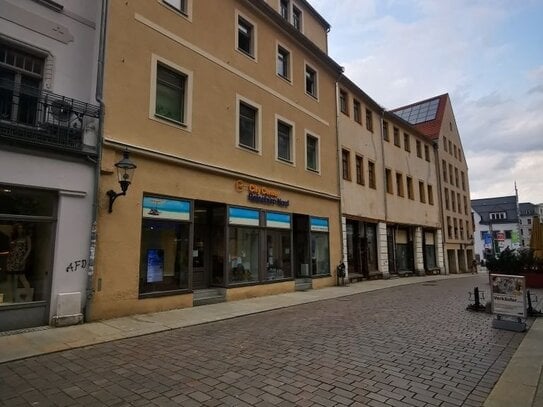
[(227, 108)]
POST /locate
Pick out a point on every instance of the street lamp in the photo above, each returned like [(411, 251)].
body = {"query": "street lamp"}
[(125, 173)]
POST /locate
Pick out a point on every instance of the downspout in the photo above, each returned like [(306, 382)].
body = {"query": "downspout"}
[(338, 152), (99, 98)]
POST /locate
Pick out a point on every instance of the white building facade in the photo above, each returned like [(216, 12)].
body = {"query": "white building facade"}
[(49, 127)]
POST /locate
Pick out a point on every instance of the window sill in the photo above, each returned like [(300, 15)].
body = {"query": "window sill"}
[(311, 95), (285, 78), (170, 122), (246, 54), (285, 161), (311, 170), (177, 11)]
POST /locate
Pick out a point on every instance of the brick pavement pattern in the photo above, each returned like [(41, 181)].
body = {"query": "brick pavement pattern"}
[(413, 345)]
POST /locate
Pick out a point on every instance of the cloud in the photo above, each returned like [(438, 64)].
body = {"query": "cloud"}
[(536, 89)]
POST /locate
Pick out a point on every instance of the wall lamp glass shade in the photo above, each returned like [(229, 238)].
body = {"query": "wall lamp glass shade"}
[(125, 173)]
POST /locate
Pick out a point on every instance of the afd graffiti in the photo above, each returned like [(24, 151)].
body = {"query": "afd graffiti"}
[(76, 265)]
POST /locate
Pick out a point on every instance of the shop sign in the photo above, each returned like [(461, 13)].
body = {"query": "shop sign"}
[(162, 208), (508, 295), (261, 194), (319, 224)]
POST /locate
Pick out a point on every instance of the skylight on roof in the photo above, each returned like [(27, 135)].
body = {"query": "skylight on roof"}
[(419, 113)]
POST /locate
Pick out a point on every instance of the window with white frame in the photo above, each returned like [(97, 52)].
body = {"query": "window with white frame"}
[(297, 18), (285, 9), (248, 126), (246, 36), (171, 91), (310, 81), (284, 141), (283, 62), (312, 153), (498, 215), (178, 5)]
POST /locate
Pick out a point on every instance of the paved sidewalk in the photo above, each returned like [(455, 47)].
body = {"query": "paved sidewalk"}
[(519, 386)]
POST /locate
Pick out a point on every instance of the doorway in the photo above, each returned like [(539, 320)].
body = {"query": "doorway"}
[(208, 245)]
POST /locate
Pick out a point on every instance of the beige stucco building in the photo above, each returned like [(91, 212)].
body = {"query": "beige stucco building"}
[(434, 118), (389, 186), (233, 131)]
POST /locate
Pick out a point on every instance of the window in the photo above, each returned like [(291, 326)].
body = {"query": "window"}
[(371, 174), (388, 181), (165, 242), (463, 176), (427, 153), (310, 81), (399, 184), (406, 142), (283, 62), (297, 18), (529, 221), (396, 136), (278, 246), (179, 5), (455, 222), (170, 94), (450, 147), (21, 77), (445, 143), (447, 206), (343, 102), (422, 192), (284, 141), (284, 5), (369, 120), (419, 149), (312, 153), (410, 194), (465, 205), (430, 195), (456, 177), (453, 201), (246, 38), (357, 111), (248, 124), (385, 131), (451, 172), (359, 170), (458, 202), (346, 164), (498, 215), (449, 228), (444, 168)]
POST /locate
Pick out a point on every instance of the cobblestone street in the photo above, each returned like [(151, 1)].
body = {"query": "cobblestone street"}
[(413, 345)]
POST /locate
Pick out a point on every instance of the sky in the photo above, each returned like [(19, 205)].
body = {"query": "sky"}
[(486, 54)]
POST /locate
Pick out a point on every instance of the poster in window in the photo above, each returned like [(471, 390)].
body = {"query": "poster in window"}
[(155, 265)]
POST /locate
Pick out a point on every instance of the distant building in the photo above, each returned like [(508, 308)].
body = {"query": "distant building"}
[(527, 211), (496, 224), (434, 118)]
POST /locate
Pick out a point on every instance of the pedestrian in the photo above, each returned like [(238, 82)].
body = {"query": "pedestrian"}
[(474, 267)]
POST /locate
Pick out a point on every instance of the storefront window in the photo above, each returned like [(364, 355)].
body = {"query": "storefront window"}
[(278, 246), (429, 251), (320, 247), (243, 245), (25, 260), (165, 242), (243, 254)]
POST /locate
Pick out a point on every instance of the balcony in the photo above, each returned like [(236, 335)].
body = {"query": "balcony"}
[(35, 118)]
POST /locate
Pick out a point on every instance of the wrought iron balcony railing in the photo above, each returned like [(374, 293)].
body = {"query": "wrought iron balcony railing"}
[(35, 117)]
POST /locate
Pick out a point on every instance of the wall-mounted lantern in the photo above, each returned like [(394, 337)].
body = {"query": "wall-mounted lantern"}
[(125, 173)]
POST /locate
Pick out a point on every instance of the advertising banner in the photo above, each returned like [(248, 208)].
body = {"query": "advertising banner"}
[(508, 294)]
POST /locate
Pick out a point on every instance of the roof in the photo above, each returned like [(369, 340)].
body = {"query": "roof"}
[(527, 209), (426, 116), (485, 206)]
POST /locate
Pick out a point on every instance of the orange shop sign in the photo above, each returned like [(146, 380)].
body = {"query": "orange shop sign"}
[(260, 194)]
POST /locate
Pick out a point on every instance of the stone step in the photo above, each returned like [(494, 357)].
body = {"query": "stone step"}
[(303, 284), (207, 296)]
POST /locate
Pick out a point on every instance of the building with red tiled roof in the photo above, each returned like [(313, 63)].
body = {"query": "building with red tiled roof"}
[(434, 117)]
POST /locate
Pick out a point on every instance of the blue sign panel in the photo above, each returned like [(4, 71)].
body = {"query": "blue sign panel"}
[(163, 208)]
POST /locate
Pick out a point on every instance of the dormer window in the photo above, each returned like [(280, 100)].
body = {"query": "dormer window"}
[(498, 215), (297, 18)]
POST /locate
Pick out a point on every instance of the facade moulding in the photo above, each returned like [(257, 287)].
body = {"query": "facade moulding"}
[(162, 156)]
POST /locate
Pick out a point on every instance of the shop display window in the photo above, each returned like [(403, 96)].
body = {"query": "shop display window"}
[(243, 254), (165, 242), (26, 246), (278, 246), (320, 247), (25, 261)]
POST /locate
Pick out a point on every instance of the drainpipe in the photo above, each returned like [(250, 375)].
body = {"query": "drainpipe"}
[(338, 168), (441, 213), (98, 96), (383, 173)]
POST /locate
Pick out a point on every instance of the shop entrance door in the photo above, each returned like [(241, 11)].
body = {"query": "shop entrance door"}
[(208, 245)]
